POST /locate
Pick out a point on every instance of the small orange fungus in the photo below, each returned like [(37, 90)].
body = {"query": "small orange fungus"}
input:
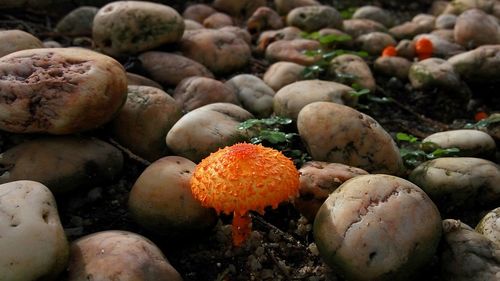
[(480, 116), (389, 51), (241, 178), (423, 48)]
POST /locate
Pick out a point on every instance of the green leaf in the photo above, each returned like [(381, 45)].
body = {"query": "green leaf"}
[(429, 146), (440, 152), (347, 13), (312, 53), (247, 124), (313, 35), (411, 153), (331, 38), (362, 54), (406, 137), (273, 136), (312, 71), (360, 92)]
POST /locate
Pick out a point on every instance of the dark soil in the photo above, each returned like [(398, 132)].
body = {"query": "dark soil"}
[(280, 247)]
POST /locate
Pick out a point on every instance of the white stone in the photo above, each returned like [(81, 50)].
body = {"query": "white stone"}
[(32, 241)]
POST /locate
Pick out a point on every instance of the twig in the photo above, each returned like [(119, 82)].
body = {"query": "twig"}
[(129, 153), (289, 238), (278, 264)]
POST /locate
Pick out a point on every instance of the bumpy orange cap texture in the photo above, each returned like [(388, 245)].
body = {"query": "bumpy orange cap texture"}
[(244, 177)]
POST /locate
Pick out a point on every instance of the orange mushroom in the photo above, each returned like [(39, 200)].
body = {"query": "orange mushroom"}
[(480, 116), (389, 51), (423, 48), (241, 178)]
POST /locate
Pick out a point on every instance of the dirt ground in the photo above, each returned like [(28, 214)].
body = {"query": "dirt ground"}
[(280, 247)]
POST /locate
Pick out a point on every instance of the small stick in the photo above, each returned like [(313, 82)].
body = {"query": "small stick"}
[(129, 153), (278, 264), (285, 235)]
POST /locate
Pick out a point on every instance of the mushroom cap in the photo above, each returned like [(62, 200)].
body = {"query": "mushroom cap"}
[(244, 177)]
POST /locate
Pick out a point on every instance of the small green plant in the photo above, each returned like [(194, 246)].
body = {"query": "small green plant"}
[(319, 68), (414, 152), (326, 53), (272, 132), (348, 13), (364, 94), (326, 39)]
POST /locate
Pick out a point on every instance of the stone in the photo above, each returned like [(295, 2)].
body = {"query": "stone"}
[(238, 8), (253, 94), (457, 7), (270, 36), (377, 227), (220, 51), (16, 40), (481, 65), (239, 32), (169, 69), (446, 21), (314, 18), (195, 92), (282, 73), (374, 13), (191, 24), (375, 42), (293, 51), (131, 27), (422, 23), (434, 72), (358, 27), (489, 225), (458, 183), (144, 121), (471, 143), (352, 69), (264, 18), (78, 22), (139, 80), (393, 66), (475, 28), (118, 255), (161, 200), (406, 48), (198, 12), (217, 20), (317, 181), (291, 99), (206, 129), (59, 90), (63, 163), (468, 255), (285, 6), (33, 244), (337, 133)]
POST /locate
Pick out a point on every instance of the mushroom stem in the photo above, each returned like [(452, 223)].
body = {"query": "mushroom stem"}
[(242, 224)]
